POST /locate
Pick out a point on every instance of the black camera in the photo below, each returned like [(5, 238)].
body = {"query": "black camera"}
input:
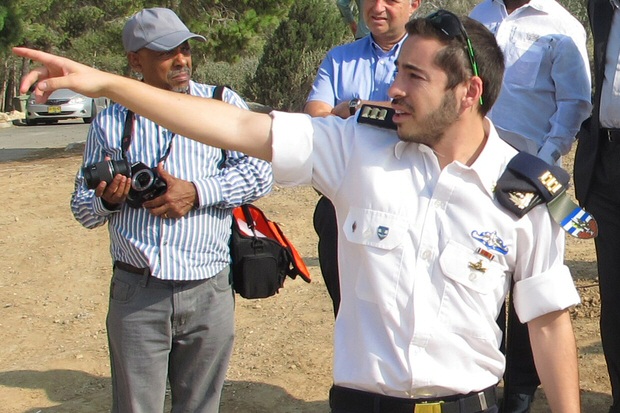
[(146, 184)]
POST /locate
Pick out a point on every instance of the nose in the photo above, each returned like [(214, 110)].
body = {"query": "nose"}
[(376, 6), (180, 59), (395, 90)]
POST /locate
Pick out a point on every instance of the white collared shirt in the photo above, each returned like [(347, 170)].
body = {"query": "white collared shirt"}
[(419, 299), (547, 88), (610, 94)]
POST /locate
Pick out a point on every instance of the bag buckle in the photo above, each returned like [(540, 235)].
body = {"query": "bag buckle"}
[(427, 407)]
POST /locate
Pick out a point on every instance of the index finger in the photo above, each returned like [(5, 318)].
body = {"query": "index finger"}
[(57, 72)]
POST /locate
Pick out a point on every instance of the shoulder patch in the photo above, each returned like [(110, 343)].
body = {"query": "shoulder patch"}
[(380, 116)]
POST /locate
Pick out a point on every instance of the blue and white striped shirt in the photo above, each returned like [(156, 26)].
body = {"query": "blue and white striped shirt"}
[(195, 246)]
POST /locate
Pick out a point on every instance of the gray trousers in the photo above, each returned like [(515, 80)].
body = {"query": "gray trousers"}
[(181, 331)]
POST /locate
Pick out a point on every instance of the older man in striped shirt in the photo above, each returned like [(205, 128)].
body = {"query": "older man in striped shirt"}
[(171, 302)]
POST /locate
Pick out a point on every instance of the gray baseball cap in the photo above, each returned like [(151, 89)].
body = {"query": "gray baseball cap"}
[(157, 29)]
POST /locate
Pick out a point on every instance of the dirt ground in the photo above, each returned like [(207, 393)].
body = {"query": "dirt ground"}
[(53, 302)]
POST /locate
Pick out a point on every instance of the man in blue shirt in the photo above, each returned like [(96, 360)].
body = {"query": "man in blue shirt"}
[(352, 74), (171, 314)]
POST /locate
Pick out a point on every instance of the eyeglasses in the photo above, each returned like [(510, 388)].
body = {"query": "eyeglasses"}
[(450, 25)]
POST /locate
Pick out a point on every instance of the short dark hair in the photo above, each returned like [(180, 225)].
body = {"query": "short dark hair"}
[(454, 58)]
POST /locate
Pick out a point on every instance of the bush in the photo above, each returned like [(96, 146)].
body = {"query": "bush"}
[(291, 57), (235, 75)]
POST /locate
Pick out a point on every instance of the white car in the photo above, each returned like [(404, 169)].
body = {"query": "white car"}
[(64, 104)]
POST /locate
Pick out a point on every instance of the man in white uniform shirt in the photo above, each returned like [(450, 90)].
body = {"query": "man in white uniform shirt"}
[(426, 250), (544, 99)]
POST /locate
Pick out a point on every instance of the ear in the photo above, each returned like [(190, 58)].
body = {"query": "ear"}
[(134, 61), (474, 91)]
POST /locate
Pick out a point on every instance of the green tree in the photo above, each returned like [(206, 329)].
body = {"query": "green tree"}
[(293, 53), (10, 24)]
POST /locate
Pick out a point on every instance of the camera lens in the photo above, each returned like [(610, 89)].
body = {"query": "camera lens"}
[(104, 171), (142, 180)]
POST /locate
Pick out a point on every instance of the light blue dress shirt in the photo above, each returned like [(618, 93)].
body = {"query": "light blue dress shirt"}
[(355, 70)]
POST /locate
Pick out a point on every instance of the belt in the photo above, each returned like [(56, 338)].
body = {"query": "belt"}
[(358, 401), (611, 135), (130, 268)]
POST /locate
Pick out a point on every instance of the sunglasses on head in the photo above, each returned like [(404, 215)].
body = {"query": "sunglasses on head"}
[(450, 25)]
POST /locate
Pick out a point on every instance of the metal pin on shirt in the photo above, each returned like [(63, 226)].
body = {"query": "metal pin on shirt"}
[(478, 266)]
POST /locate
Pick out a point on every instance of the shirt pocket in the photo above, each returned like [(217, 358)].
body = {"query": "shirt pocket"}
[(523, 61), (474, 291), (471, 270), (377, 240)]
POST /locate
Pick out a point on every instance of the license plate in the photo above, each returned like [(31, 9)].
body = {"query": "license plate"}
[(53, 109)]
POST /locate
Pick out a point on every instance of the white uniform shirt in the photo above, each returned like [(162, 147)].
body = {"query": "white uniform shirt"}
[(547, 88), (417, 319)]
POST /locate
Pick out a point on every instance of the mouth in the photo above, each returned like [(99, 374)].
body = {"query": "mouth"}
[(378, 19), (180, 76), (400, 113)]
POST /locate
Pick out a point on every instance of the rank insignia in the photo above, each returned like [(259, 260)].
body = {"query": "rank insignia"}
[(380, 116), (382, 232)]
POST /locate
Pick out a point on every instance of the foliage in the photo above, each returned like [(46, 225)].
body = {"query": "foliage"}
[(287, 68), (234, 75), (10, 24)]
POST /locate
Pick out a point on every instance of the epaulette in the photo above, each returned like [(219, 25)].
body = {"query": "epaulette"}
[(529, 181), (380, 116)]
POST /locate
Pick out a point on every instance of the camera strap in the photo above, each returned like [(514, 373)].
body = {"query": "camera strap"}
[(128, 132), (218, 93)]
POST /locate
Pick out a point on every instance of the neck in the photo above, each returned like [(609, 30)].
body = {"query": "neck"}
[(512, 5), (462, 142), (387, 42)]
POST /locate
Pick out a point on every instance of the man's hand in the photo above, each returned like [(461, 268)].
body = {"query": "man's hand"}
[(59, 72), (178, 200), (115, 192), (342, 110)]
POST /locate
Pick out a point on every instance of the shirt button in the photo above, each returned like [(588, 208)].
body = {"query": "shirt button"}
[(439, 204), (473, 276), (426, 255)]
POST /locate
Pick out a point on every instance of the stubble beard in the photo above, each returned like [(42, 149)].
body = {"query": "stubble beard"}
[(183, 88), (431, 129)]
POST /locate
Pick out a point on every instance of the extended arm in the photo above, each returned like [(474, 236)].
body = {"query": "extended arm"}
[(204, 120), (555, 355)]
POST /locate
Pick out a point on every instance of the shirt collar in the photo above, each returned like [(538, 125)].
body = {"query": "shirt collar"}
[(540, 5), (380, 51), (490, 163), (488, 167), (615, 4)]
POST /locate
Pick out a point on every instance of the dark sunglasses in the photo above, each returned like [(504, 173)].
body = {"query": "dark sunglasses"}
[(450, 25)]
